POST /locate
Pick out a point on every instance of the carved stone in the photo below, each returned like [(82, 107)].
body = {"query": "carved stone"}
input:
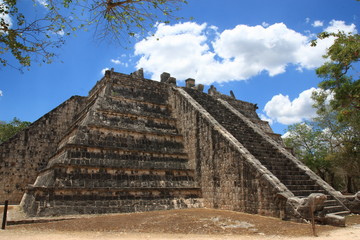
[(164, 77), (139, 74), (147, 145), (190, 82)]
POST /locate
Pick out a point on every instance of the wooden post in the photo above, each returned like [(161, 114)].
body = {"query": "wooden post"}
[(5, 214), (313, 221)]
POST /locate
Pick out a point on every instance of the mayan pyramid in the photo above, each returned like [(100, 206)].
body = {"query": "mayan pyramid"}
[(136, 145)]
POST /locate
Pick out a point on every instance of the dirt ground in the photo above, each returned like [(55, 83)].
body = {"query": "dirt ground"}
[(174, 224)]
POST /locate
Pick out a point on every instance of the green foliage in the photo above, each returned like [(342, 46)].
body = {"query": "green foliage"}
[(311, 146), (7, 130), (339, 74), (340, 88), (27, 38), (23, 39), (329, 147)]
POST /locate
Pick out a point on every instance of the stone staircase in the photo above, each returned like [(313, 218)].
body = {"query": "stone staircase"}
[(296, 179), (123, 154), (141, 145)]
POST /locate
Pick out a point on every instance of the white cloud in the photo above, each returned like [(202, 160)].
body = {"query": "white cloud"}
[(116, 61), (61, 32), (292, 134), (268, 49), (265, 118), (1, 93), (265, 24), (281, 109), (43, 3), (180, 50), (336, 25), (193, 50), (5, 17), (309, 57), (104, 70), (286, 135), (318, 23)]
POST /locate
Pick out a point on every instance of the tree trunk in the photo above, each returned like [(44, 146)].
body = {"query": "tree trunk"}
[(349, 187), (332, 179)]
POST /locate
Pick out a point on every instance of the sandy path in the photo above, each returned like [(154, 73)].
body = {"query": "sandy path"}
[(351, 233), (200, 224)]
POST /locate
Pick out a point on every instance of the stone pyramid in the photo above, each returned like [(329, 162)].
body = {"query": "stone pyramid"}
[(139, 145), (123, 154)]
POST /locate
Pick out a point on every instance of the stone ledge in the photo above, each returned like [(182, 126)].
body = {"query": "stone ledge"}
[(59, 165)]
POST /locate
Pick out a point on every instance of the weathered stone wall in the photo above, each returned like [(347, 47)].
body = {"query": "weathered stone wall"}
[(229, 176), (136, 145), (246, 108), (24, 155), (123, 154)]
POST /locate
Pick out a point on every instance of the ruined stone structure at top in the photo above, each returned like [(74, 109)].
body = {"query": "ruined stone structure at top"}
[(139, 145)]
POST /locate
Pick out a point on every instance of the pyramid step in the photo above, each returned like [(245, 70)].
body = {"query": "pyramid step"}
[(273, 160), (331, 203), (96, 193), (89, 155), (303, 187), (334, 209), (151, 86), (64, 201), (140, 100), (118, 105), (84, 152), (277, 161), (133, 123), (342, 213), (121, 178), (286, 177), (169, 120), (116, 171), (100, 206), (125, 182), (281, 168), (106, 137), (136, 132), (154, 95), (306, 193), (297, 182), (170, 164), (288, 172)]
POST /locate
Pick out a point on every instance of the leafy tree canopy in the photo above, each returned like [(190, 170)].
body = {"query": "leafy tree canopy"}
[(340, 75), (332, 140), (28, 36), (329, 147), (7, 130), (311, 146)]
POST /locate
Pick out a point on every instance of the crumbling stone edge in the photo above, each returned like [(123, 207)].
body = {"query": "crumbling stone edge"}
[(282, 192), (281, 149), (337, 220)]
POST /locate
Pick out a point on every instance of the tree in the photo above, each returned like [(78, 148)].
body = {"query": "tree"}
[(329, 147), (341, 88), (340, 77), (29, 37), (310, 145), (7, 130)]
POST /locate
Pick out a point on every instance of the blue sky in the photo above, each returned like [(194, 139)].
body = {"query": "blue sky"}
[(258, 49)]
